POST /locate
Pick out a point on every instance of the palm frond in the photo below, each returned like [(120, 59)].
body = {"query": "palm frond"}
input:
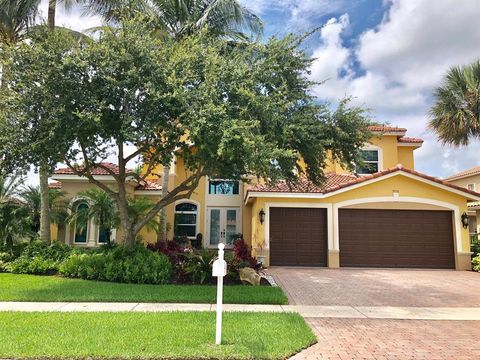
[(455, 115)]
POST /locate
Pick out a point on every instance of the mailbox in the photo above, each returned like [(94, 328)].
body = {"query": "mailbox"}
[(219, 268)]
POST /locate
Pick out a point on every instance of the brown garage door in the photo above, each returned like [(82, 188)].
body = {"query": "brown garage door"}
[(298, 236), (396, 238)]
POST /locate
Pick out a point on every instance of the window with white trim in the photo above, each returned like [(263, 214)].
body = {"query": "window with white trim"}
[(472, 187), (185, 220), (371, 162), (223, 187), (81, 230)]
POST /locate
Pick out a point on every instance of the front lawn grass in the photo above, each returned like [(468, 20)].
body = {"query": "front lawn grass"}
[(178, 335), (52, 288)]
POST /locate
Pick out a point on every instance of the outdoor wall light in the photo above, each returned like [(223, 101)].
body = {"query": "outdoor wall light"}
[(465, 220), (261, 214)]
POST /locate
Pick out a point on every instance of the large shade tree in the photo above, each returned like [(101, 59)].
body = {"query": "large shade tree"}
[(455, 115), (228, 111)]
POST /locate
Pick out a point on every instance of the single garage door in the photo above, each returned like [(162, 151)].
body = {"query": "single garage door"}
[(396, 238), (298, 236)]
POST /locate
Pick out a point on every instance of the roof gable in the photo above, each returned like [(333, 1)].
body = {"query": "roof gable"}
[(349, 182)]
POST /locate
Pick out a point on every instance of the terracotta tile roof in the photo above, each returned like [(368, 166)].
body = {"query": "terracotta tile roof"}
[(55, 185), (149, 186), (473, 171), (406, 139), (95, 171), (343, 181), (385, 128), (473, 204), (303, 185)]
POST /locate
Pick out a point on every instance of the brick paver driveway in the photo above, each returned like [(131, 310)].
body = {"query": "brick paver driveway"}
[(378, 287), (385, 339), (379, 339)]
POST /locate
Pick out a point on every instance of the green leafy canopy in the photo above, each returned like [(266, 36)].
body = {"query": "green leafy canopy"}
[(230, 110)]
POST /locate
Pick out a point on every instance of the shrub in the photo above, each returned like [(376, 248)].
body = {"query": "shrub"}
[(56, 251), (37, 265), (242, 252), (475, 244), (198, 266), (119, 264), (40, 258), (476, 263)]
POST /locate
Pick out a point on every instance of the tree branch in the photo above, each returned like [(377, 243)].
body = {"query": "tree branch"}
[(182, 191)]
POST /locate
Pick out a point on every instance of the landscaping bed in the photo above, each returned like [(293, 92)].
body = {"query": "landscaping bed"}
[(14, 287), (178, 335)]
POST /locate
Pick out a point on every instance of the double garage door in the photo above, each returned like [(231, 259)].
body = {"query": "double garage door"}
[(367, 238)]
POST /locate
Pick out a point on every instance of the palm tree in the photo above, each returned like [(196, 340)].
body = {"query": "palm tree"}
[(58, 208), (16, 18), (178, 18), (139, 207), (13, 215), (101, 208), (455, 115)]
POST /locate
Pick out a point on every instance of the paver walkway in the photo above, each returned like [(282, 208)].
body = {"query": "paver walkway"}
[(307, 311)]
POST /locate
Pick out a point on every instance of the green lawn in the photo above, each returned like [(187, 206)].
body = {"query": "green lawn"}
[(179, 335), (52, 288)]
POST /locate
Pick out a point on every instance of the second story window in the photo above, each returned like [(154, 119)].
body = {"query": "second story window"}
[(223, 187), (370, 162), (472, 187)]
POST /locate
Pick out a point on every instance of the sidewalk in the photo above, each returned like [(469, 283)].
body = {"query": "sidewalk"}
[(352, 312)]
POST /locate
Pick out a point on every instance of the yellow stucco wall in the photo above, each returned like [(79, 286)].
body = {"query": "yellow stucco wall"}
[(463, 182), (405, 156), (405, 186)]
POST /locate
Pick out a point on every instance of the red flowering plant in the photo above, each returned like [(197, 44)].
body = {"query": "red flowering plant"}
[(242, 252)]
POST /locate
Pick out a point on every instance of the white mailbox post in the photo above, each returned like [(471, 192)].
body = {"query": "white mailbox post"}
[(219, 270)]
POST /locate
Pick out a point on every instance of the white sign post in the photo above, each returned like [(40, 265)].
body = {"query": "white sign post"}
[(219, 271)]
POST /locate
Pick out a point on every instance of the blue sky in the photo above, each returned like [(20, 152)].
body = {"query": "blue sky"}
[(387, 54)]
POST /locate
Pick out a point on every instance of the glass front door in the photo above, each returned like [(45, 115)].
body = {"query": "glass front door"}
[(223, 225)]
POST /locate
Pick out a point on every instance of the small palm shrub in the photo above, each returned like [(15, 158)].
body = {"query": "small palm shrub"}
[(119, 264)]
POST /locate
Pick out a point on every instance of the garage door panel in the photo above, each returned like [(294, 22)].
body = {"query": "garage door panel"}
[(298, 236), (396, 238)]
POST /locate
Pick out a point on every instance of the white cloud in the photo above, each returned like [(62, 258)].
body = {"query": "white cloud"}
[(73, 18), (403, 59), (301, 13)]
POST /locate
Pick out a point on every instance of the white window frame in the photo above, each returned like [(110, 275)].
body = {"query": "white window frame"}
[(80, 202), (197, 213), (474, 187), (229, 180), (223, 210), (379, 151)]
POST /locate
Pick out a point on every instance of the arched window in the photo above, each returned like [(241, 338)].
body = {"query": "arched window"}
[(185, 220), (81, 224)]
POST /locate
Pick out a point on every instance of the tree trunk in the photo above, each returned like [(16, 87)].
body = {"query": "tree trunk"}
[(125, 221), (44, 205), (52, 9), (9, 241), (163, 212)]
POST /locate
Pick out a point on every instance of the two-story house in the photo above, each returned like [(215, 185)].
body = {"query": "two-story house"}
[(384, 215), (470, 179)]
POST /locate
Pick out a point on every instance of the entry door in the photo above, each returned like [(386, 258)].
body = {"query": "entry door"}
[(223, 223)]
